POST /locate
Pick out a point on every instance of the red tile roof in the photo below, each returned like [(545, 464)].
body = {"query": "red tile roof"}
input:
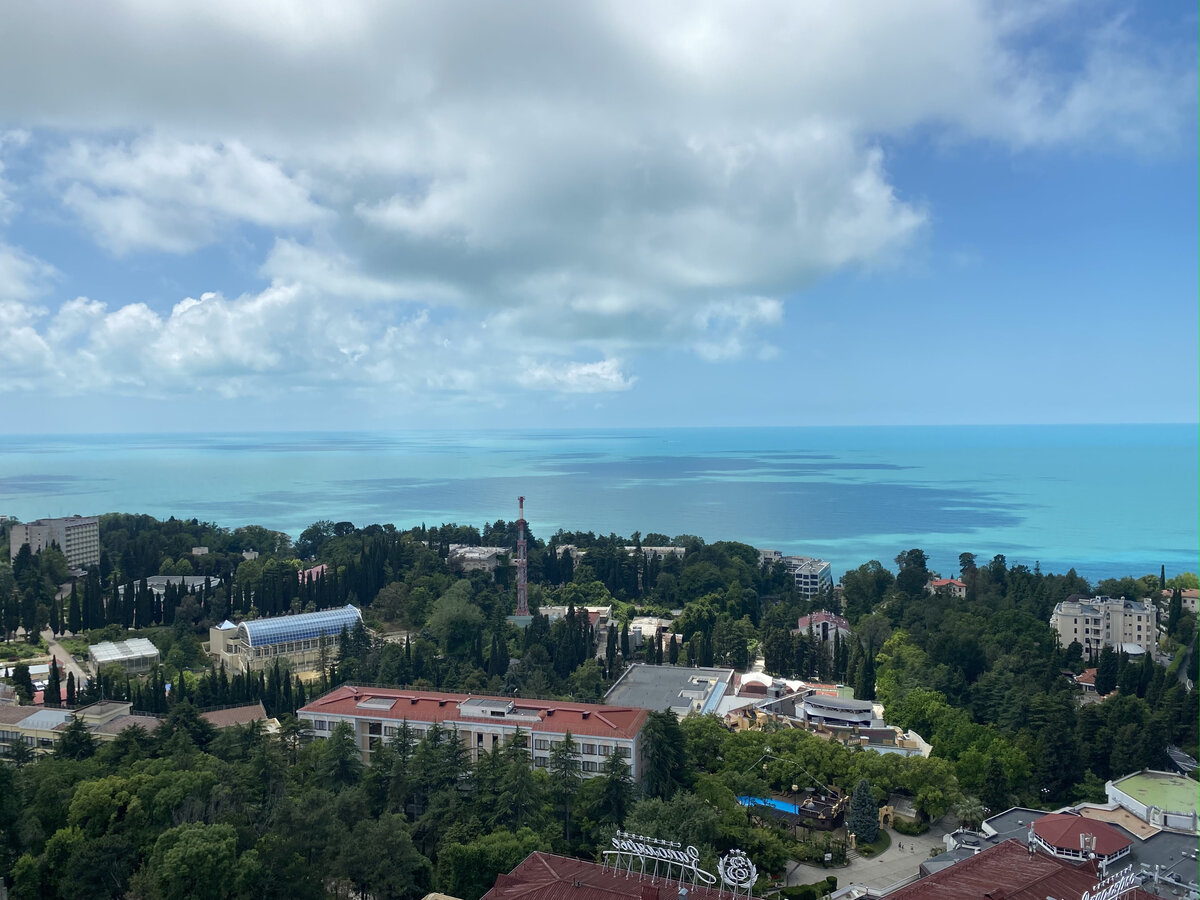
[(1062, 830), (1087, 676), (555, 716), (818, 618), (1007, 870), (946, 582), (544, 876)]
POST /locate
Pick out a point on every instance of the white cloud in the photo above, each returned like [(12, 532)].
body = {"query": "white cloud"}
[(163, 194), (587, 181), (575, 377), (21, 275)]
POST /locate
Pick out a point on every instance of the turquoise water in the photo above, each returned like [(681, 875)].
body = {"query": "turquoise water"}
[(1109, 500), (781, 805)]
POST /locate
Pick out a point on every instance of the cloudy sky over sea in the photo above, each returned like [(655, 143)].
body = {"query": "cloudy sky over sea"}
[(228, 215)]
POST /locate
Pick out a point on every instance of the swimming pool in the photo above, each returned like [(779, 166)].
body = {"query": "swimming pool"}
[(781, 805)]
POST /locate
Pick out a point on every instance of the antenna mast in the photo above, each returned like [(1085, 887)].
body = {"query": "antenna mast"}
[(522, 561)]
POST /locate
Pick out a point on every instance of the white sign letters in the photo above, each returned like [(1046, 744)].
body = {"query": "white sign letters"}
[(1114, 887)]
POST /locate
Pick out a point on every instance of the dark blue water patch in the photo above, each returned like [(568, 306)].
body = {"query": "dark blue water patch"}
[(717, 510), (18, 485), (692, 468)]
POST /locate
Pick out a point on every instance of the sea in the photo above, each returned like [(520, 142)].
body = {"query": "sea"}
[(1107, 500)]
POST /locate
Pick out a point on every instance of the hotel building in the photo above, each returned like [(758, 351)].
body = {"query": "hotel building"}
[(481, 723)]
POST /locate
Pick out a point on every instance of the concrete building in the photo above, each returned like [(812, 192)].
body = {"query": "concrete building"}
[(481, 723), (812, 576), (1097, 622), (1162, 799), (301, 641), (682, 690), (136, 656), (40, 727), (951, 586), (472, 559), (824, 626), (77, 536)]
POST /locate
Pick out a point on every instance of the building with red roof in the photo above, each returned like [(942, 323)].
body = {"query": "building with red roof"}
[(1009, 871), (952, 586), (483, 722), (546, 876), (1074, 838), (824, 625)]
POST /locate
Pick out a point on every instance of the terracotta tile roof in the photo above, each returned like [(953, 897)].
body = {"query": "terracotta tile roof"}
[(552, 716), (237, 715), (821, 617), (544, 876), (1007, 871), (1062, 830), (1087, 676), (947, 582)]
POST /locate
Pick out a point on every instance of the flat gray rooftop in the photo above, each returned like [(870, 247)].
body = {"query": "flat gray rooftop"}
[(663, 687)]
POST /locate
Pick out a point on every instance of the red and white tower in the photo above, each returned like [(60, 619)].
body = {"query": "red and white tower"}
[(522, 561)]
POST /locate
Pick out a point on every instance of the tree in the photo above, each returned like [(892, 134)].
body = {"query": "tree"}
[(1106, 671), (863, 820), (616, 791), (341, 764), (913, 574), (71, 689), (1174, 611), (192, 862), (663, 741), (565, 776), (76, 741), (53, 693), (22, 682)]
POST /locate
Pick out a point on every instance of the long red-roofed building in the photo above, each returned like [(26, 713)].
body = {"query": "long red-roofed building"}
[(546, 876), (482, 722), (1009, 871)]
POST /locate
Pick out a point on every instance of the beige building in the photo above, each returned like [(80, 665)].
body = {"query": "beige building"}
[(1097, 622), (77, 536), (302, 641)]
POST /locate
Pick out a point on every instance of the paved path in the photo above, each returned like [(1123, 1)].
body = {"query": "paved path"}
[(888, 868), (66, 662)]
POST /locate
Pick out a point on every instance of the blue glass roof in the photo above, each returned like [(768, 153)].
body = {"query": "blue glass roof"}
[(301, 627)]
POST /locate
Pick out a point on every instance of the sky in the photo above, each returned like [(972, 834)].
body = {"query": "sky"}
[(378, 215)]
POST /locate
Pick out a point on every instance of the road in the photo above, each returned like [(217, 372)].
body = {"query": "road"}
[(891, 867), (66, 663)]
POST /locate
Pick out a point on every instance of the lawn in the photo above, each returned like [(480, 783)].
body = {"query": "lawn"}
[(15, 651), (882, 841)]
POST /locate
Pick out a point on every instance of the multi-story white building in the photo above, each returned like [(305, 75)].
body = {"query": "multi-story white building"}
[(481, 723), (77, 536), (812, 575), (1097, 622)]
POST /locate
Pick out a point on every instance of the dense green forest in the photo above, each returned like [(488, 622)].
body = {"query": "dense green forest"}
[(186, 812)]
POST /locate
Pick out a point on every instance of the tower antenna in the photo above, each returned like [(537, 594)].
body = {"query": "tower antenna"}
[(522, 561)]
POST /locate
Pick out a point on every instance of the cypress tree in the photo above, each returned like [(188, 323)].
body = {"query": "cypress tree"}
[(71, 689), (53, 693), (74, 617)]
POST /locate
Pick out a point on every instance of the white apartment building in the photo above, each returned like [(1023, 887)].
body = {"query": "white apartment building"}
[(812, 575), (1097, 622), (77, 536)]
